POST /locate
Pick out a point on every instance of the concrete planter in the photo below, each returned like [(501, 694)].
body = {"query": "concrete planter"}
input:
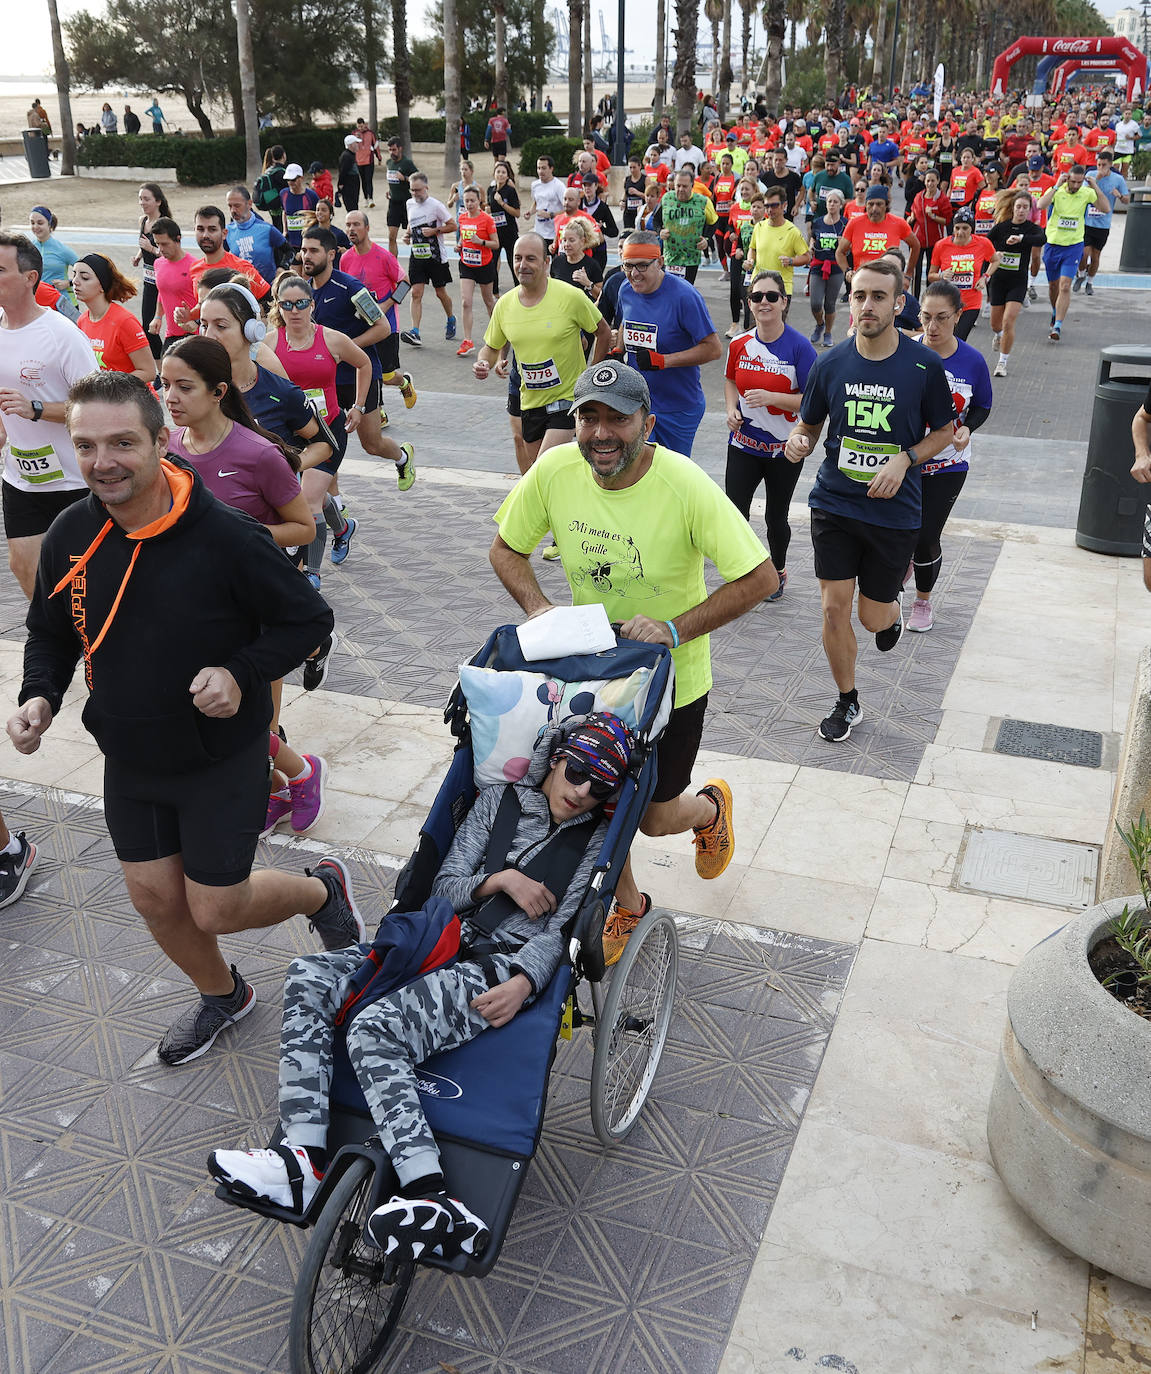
[(1070, 1118)]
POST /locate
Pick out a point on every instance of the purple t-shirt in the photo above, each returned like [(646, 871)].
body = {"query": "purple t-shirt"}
[(245, 471)]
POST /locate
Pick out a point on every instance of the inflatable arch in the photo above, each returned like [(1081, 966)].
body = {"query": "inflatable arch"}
[(1053, 52)]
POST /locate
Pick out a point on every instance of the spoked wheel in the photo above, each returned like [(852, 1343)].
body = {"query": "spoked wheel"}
[(348, 1297), (632, 1027)]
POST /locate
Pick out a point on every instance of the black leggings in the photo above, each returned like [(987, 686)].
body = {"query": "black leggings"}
[(940, 492), (507, 238), (737, 294), (148, 299), (745, 471), (966, 323), (367, 173)]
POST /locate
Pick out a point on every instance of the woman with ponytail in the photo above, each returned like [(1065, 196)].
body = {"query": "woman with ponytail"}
[(116, 335)]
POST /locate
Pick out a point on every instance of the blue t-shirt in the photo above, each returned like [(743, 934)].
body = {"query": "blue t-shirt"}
[(670, 319), (874, 410), (279, 405), (297, 213), (334, 308), (970, 384), (1112, 185), (257, 242), (882, 150)]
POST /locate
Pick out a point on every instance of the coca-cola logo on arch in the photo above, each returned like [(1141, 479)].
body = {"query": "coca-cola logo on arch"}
[(1071, 45)]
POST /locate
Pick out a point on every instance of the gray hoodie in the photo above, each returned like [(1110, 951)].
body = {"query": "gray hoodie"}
[(538, 944)]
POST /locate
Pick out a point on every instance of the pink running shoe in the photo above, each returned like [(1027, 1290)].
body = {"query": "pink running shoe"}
[(307, 802), (279, 808), (921, 619)]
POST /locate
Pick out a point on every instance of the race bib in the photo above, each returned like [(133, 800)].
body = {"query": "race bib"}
[(499, 219), (962, 279), (421, 250), (1068, 222), (634, 203), (470, 255), (540, 376), (393, 177), (316, 399), (37, 465), (149, 276), (294, 220), (637, 335), (676, 270), (956, 195), (861, 459), (1010, 261)]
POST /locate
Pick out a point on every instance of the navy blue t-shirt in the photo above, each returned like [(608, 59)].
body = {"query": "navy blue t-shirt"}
[(279, 405), (334, 308), (670, 319), (874, 410)]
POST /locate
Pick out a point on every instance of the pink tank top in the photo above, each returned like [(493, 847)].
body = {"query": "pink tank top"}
[(313, 369)]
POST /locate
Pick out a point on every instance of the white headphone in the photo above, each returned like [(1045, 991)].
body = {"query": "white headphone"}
[(255, 330)]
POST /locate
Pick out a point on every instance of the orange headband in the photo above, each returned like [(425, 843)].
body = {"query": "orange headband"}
[(640, 252)]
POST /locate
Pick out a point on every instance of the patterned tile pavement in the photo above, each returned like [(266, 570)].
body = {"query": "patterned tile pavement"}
[(116, 1256)]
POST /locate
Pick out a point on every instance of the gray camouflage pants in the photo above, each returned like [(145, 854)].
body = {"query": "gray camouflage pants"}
[(385, 1043)]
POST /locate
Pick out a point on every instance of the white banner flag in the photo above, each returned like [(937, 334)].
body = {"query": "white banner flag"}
[(938, 90)]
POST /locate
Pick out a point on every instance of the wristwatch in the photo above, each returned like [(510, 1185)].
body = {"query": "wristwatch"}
[(37, 409), (360, 408)]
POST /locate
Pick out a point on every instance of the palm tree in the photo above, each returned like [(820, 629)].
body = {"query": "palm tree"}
[(402, 73), (833, 50), (248, 90), (659, 100), (879, 57), (371, 62), (797, 12), (775, 22), (63, 85), (714, 11), (588, 68), (575, 64), (726, 75), (683, 78), (748, 8), (500, 11), (451, 91)]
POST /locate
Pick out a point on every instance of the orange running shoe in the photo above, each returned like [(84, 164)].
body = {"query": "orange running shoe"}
[(465, 348), (618, 927), (715, 843)]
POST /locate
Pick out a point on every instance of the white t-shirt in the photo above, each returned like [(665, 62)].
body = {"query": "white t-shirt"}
[(431, 212), (796, 159), (549, 201), (41, 361), (693, 155), (1126, 132)]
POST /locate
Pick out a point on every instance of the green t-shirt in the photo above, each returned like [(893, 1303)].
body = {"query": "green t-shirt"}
[(685, 220), (638, 551), (823, 182), (1065, 214), (771, 242), (546, 340)]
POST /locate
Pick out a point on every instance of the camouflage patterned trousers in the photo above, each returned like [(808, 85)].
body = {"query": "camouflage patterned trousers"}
[(386, 1042)]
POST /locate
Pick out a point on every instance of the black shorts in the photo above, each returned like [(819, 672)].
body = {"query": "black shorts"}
[(485, 276), (211, 818), (388, 352), (346, 395), (537, 420), (422, 271), (398, 213), (875, 556), (500, 149), (675, 753), (1095, 238), (29, 513), (1006, 286)]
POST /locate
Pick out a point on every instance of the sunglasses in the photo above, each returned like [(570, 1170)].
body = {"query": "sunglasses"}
[(577, 775), (305, 304), (756, 296)]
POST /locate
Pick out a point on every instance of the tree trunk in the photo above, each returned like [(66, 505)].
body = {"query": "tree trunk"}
[(714, 57), (63, 93), (659, 100), (791, 42), (683, 78), (194, 99), (371, 63), (833, 51), (775, 23), (745, 42), (879, 56), (575, 63), (726, 75), (499, 10), (451, 92), (248, 91), (909, 28), (588, 68), (402, 73), (540, 71)]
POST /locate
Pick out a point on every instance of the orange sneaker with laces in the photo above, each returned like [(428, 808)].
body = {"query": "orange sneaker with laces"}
[(618, 927), (715, 843)]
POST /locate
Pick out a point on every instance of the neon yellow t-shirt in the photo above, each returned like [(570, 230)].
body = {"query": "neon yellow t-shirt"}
[(1065, 215), (638, 551), (546, 339), (769, 243)]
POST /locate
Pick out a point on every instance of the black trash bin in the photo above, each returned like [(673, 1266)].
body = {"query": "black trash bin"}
[(1135, 255), (1112, 503), (36, 151)]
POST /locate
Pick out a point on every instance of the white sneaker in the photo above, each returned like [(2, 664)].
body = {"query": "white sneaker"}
[(1000, 369), (995, 341), (284, 1174)]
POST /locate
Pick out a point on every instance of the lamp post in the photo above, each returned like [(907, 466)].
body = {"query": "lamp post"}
[(620, 113)]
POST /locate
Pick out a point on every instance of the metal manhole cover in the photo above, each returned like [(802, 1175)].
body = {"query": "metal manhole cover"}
[(1028, 739), (1050, 871)]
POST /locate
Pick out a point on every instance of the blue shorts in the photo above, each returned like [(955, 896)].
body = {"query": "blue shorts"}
[(676, 431), (1062, 260)]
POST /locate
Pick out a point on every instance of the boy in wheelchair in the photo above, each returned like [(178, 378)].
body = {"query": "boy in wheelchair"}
[(574, 770)]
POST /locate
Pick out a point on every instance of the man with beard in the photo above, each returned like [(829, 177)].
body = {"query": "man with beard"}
[(634, 522), (211, 239)]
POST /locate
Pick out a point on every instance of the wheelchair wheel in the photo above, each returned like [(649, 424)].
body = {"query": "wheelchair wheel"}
[(632, 1027), (348, 1297)]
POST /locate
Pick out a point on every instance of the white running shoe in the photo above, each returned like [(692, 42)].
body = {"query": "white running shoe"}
[(283, 1174)]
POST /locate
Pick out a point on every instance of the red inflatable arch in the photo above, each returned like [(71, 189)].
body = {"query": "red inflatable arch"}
[(1053, 51)]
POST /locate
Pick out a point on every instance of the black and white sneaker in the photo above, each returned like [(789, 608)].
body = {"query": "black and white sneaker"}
[(410, 1228), (836, 727), (194, 1031), (338, 922), (16, 869), (316, 668), (886, 640)]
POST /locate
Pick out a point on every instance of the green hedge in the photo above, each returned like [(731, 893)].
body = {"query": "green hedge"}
[(560, 149), (1141, 165)]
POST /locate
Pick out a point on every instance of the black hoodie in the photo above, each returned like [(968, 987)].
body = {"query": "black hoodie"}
[(211, 590)]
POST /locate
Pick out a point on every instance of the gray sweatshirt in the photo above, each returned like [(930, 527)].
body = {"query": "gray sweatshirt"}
[(538, 944)]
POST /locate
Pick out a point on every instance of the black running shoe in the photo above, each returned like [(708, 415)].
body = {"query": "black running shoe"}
[(194, 1031), (836, 727), (16, 869), (316, 668)]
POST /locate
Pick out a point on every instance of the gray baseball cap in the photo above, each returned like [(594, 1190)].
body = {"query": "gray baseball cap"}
[(615, 384)]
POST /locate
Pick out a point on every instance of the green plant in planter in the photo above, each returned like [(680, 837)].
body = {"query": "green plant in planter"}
[(1131, 930)]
